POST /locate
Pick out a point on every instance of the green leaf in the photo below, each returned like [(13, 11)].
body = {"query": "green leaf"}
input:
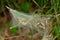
[(57, 30), (52, 7), (14, 30)]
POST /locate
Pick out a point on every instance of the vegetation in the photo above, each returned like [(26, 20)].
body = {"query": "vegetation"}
[(35, 9)]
